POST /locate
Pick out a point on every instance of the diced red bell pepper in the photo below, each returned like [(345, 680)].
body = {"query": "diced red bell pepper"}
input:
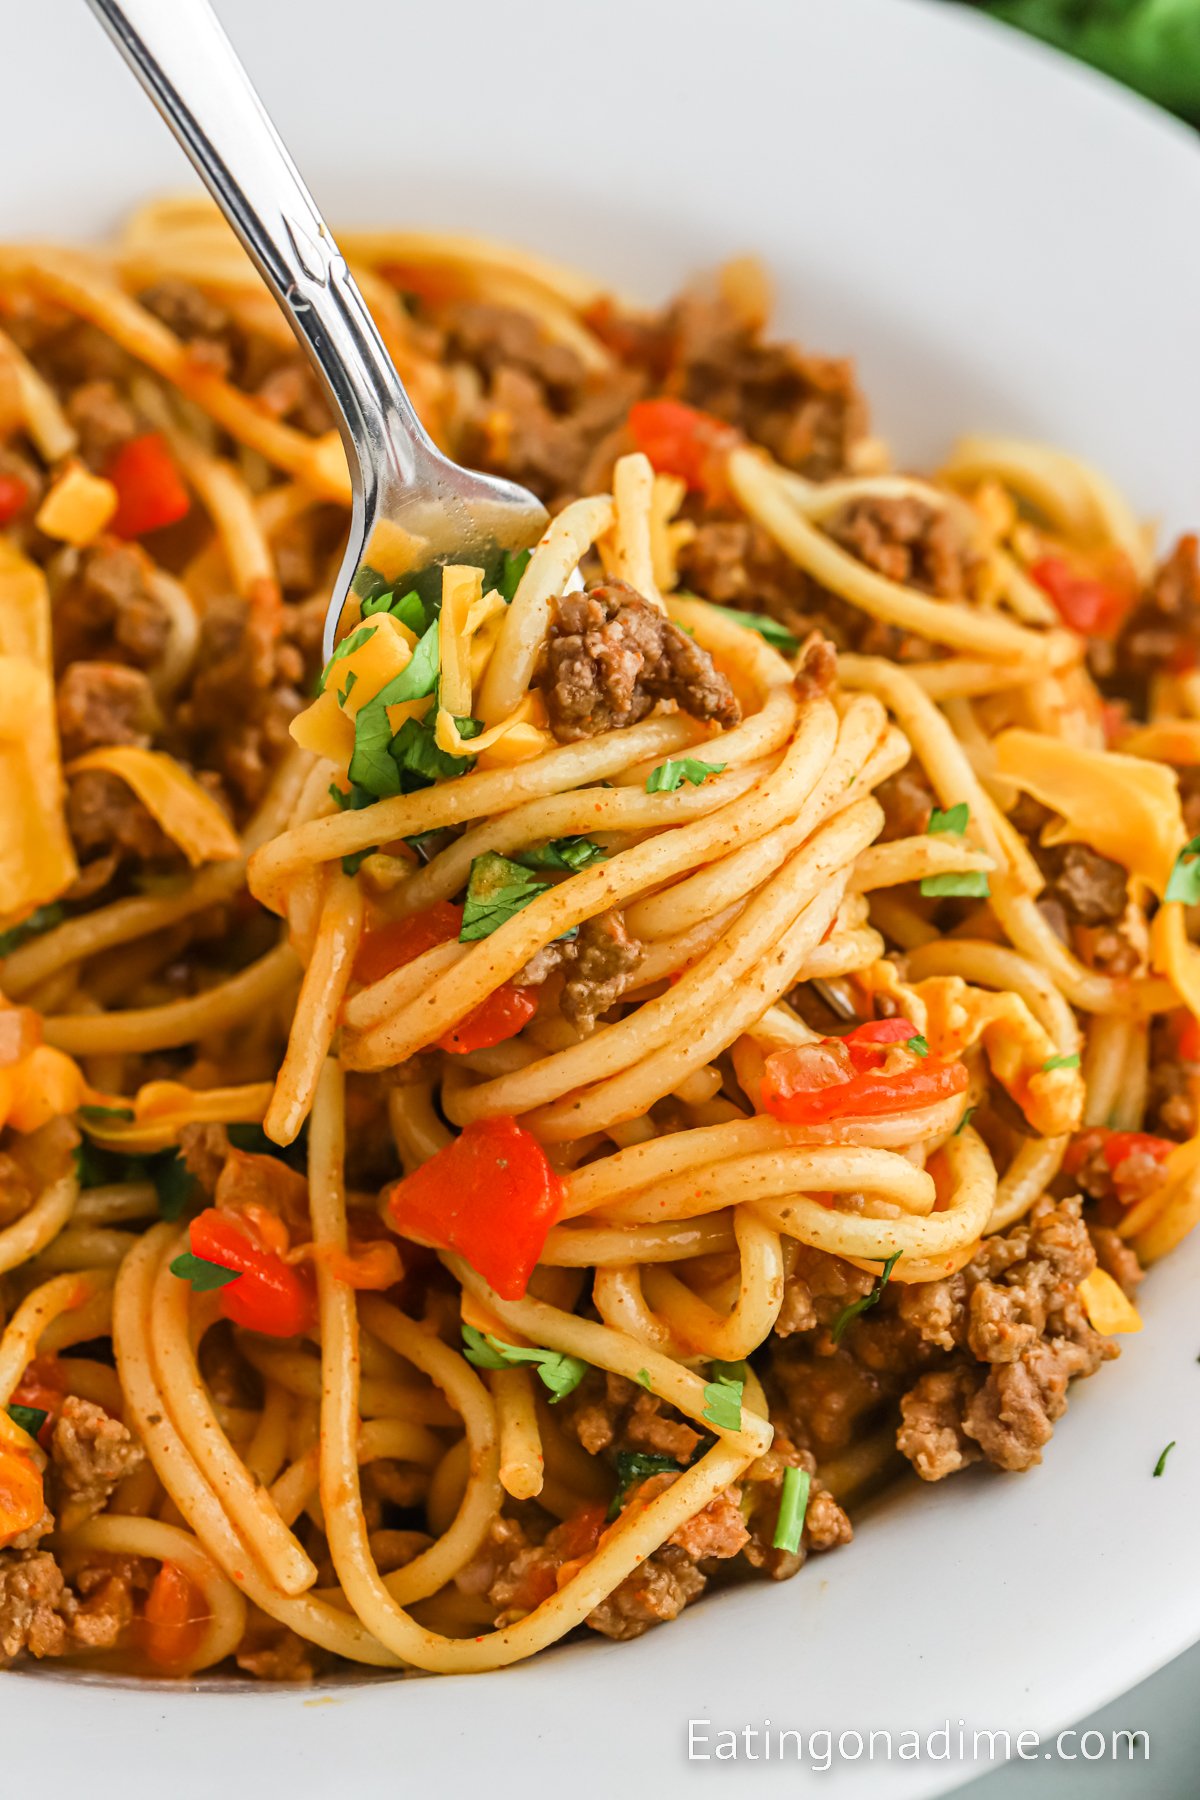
[(504, 1012), (1088, 604), (150, 490), (14, 497), (1119, 1146), (270, 1295), (1188, 1039), (173, 1618), (812, 1084), (681, 440), (491, 1196)]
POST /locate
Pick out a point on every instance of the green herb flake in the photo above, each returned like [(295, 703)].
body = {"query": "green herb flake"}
[(352, 864), (918, 1045), (409, 609), (1061, 1062), (570, 853), (496, 890), (375, 764), (964, 884), (347, 647), (204, 1276), (96, 1115), (556, 1370), (29, 1418), (723, 1404), (951, 823), (512, 568), (174, 1183), (255, 1142), (963, 1122), (44, 918), (643, 1377), (346, 692), (351, 799), (421, 762), (1161, 1464), (775, 634), (675, 771), (1183, 884), (793, 1504), (633, 1467), (857, 1307)]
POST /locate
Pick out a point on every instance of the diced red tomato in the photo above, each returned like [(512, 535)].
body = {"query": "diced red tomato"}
[(270, 1295), (681, 440), (43, 1385), (22, 1498), (173, 1618), (401, 941), (491, 1196), (1119, 1146), (493, 1021), (841, 1078), (150, 489), (14, 497), (1189, 1039), (1088, 604)]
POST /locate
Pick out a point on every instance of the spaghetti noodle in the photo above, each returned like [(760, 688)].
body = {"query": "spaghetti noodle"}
[(508, 1129)]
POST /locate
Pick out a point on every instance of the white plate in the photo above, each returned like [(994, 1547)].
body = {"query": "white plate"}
[(1004, 241)]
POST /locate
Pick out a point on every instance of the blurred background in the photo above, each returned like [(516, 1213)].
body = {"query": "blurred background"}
[(1152, 45)]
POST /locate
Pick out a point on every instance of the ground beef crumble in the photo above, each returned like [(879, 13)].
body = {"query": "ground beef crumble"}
[(611, 657), (978, 1364), (597, 966)]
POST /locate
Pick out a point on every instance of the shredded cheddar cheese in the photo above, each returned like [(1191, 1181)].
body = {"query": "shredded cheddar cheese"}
[(78, 506), (1122, 806), (190, 817), (1015, 1044), (1108, 1309)]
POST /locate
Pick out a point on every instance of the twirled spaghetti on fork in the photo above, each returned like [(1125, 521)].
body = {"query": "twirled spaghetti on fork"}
[(541, 1114)]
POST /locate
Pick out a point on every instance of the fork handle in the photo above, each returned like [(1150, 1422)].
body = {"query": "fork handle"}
[(181, 55)]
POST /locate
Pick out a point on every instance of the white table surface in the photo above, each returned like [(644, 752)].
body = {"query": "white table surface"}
[(1165, 1706)]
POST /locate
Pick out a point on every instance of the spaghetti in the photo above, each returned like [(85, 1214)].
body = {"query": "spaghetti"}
[(508, 1129)]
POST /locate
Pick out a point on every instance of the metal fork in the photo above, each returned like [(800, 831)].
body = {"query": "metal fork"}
[(187, 65)]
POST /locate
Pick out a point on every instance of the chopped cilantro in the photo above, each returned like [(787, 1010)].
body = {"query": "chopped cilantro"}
[(511, 571), (96, 1115), (173, 1181), (255, 1142), (953, 821), (676, 770), (966, 884), (1161, 1464), (374, 764), (29, 1418), (562, 853), (643, 1376), (963, 1122), (204, 1276), (351, 799), (728, 1371), (1183, 883), (352, 864), (775, 634), (416, 754), (918, 1045), (793, 1504), (1061, 1062), (633, 1466), (496, 890), (467, 728), (858, 1307), (723, 1404), (559, 1372), (41, 919), (408, 608), (346, 692), (347, 647)]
